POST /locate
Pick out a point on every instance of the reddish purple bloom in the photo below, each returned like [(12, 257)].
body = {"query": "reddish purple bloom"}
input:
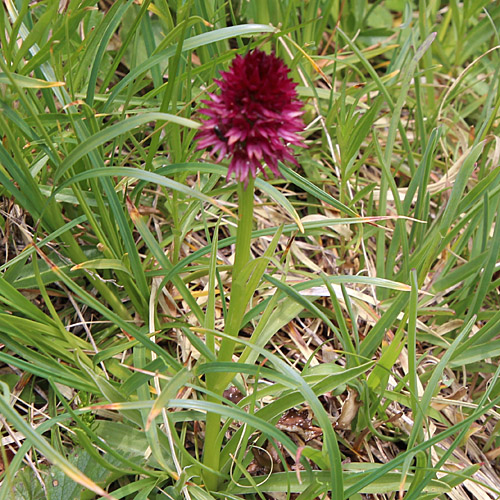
[(255, 117)]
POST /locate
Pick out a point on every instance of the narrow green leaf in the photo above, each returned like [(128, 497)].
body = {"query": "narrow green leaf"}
[(467, 162), (109, 133), (27, 82), (115, 264), (41, 444)]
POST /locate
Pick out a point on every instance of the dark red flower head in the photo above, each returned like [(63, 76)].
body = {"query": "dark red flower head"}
[(255, 117)]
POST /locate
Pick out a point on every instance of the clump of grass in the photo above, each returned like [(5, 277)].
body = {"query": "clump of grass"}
[(367, 358)]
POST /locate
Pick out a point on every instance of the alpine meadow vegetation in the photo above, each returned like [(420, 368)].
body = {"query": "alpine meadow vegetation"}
[(250, 249)]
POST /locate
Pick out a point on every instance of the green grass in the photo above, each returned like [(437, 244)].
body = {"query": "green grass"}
[(373, 294)]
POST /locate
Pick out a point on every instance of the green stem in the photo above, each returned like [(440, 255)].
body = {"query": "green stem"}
[(236, 311), (245, 223), (237, 303)]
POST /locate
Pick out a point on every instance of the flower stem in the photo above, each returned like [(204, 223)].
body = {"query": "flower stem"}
[(245, 223), (237, 303), (236, 311)]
